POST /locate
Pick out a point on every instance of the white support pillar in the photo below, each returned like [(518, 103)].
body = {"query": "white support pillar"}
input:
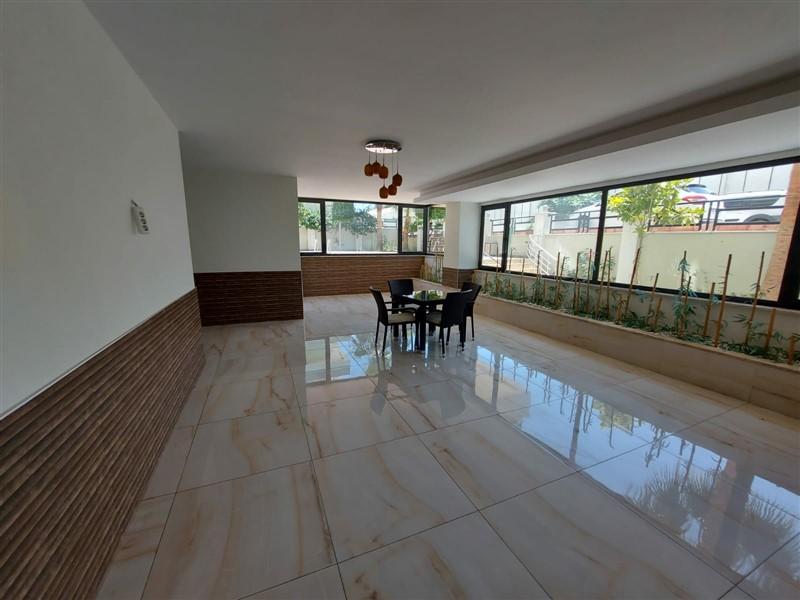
[(462, 228)]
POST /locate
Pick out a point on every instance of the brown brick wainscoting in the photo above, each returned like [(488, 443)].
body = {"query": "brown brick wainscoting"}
[(77, 457), (244, 297), (455, 277), (327, 275)]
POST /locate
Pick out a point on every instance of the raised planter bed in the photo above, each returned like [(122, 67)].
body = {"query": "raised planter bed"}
[(764, 383)]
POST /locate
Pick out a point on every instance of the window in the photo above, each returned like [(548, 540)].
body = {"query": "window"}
[(492, 246), (681, 228), (413, 232), (310, 226), (667, 220), (436, 217), (562, 230), (353, 227)]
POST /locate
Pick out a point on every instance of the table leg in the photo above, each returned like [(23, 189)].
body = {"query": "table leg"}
[(421, 329)]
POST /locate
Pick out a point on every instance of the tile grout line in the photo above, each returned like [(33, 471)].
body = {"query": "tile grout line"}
[(478, 510)]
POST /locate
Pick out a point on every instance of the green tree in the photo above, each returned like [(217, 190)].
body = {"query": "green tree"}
[(653, 204), (308, 218), (565, 205)]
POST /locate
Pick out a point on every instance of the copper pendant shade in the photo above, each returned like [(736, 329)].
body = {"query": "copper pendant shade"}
[(383, 147), (368, 168)]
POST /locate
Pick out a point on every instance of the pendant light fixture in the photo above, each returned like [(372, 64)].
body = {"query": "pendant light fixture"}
[(384, 147)]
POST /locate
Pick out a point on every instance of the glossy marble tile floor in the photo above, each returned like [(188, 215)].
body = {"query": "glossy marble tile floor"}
[(306, 466)]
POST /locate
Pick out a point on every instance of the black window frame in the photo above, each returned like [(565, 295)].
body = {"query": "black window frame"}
[(399, 206), (788, 294)]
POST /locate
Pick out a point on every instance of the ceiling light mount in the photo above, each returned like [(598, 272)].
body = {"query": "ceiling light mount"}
[(383, 146)]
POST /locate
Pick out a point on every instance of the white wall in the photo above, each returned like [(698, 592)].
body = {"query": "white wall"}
[(242, 221), (80, 136)]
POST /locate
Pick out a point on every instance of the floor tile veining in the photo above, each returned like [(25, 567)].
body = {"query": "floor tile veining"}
[(304, 465)]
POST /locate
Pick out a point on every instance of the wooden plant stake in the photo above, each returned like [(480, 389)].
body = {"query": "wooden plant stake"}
[(652, 295), (755, 301), (708, 308), (575, 285), (497, 271), (630, 285), (608, 287), (684, 306), (657, 313), (769, 330), (600, 288), (790, 352), (589, 266), (538, 277), (722, 301), (521, 280), (558, 280)]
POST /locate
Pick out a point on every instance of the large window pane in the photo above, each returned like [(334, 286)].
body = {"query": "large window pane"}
[(492, 244), (740, 213), (436, 217), (310, 227), (360, 227), (413, 229), (541, 231)]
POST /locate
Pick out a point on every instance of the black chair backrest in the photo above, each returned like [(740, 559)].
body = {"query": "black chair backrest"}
[(475, 289), (399, 287), (453, 308), (383, 314), (467, 285)]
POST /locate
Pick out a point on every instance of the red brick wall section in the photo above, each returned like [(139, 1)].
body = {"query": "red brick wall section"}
[(246, 297), (77, 457), (455, 277), (328, 275)]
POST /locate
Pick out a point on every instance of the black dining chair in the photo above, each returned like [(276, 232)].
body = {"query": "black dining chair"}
[(390, 316), (452, 313), (399, 288), (475, 289)]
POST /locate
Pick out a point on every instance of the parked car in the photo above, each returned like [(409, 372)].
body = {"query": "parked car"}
[(751, 207), (697, 193)]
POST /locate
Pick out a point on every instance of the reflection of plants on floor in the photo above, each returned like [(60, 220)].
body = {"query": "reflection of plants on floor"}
[(681, 492), (686, 319)]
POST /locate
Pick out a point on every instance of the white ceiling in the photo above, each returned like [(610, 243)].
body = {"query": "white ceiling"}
[(296, 88)]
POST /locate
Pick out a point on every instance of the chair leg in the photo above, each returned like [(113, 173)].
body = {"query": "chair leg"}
[(377, 330), (472, 322), (448, 336), (405, 332), (385, 331)]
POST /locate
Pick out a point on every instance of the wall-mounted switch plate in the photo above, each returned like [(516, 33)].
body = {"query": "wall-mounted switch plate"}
[(139, 218)]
